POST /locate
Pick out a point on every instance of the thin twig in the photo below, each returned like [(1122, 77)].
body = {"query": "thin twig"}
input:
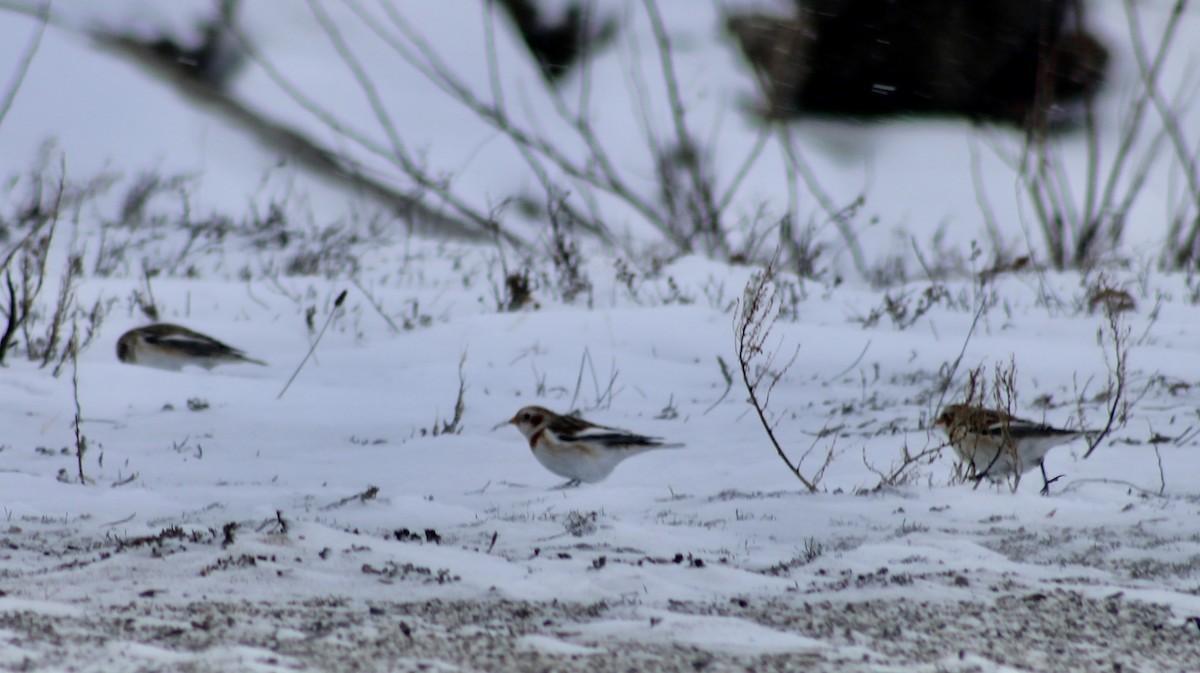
[(337, 303), (1162, 477), (852, 364), (725, 374)]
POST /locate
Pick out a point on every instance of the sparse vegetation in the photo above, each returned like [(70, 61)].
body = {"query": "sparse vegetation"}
[(902, 311), (603, 389)]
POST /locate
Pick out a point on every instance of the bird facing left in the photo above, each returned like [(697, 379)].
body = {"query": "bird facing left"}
[(577, 449), (995, 444), (171, 347)]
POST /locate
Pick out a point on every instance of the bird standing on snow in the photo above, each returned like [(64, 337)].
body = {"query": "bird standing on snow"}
[(167, 346), (576, 449), (997, 444)]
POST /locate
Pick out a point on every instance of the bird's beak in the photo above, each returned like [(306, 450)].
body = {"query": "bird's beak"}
[(501, 424)]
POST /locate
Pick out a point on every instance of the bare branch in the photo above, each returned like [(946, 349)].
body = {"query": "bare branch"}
[(23, 63), (399, 154), (755, 315), (705, 211), (598, 172)]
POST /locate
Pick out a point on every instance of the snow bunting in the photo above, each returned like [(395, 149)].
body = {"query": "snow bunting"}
[(996, 444), (576, 449), (167, 346)]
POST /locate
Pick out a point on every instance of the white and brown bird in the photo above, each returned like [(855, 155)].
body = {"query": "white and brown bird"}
[(995, 444), (576, 449), (172, 347)]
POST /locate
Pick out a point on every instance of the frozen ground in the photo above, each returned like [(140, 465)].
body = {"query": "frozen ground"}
[(339, 527), (1015, 632)]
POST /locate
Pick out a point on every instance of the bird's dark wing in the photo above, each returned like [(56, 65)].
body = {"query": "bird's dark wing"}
[(196, 345), (617, 438), (573, 429), (1020, 430), (569, 426)]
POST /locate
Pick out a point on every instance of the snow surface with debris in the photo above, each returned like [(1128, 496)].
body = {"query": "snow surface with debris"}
[(466, 557)]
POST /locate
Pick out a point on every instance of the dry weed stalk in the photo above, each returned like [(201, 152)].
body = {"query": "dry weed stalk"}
[(81, 441), (337, 304), (1113, 338), (454, 425), (753, 321)]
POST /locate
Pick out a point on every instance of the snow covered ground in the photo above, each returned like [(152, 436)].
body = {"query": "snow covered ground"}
[(223, 527)]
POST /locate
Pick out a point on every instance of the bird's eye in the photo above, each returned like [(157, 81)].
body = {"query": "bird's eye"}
[(525, 416)]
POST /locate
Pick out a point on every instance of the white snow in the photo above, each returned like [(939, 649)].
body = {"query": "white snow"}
[(717, 521)]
